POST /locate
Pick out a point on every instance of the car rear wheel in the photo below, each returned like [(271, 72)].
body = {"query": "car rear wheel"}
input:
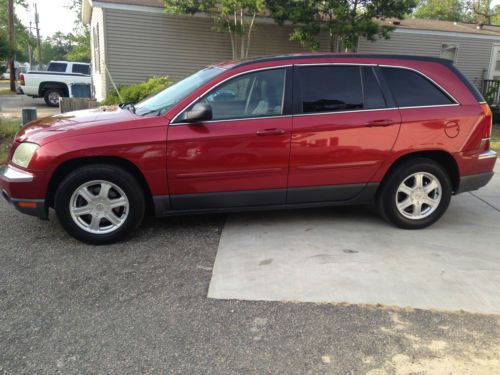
[(52, 96), (99, 204), (415, 194)]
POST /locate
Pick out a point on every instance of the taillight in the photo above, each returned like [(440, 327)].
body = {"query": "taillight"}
[(21, 79), (488, 121)]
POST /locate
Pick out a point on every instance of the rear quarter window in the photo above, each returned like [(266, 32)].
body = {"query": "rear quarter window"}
[(411, 89), (81, 68), (57, 67)]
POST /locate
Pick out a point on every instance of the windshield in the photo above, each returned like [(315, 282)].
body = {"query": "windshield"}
[(167, 98)]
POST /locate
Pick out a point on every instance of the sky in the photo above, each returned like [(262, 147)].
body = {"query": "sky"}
[(55, 15)]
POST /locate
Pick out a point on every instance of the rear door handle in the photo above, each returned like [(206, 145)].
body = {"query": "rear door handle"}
[(273, 131), (374, 123)]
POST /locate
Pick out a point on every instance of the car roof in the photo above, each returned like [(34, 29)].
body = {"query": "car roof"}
[(312, 56), (68, 62)]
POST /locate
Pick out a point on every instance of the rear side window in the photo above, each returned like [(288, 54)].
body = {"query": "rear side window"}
[(57, 67), (81, 68), (330, 88), (411, 89)]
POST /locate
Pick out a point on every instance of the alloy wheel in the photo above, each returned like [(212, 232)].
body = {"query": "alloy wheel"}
[(418, 196), (99, 207)]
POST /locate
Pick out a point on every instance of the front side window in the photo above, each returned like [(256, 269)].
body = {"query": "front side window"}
[(411, 89), (257, 94), (330, 88)]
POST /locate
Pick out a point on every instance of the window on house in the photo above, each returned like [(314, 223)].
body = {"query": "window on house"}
[(449, 51), (411, 89), (331, 88)]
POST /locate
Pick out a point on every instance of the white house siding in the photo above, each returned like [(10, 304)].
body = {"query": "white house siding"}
[(98, 59), (473, 56), (142, 44)]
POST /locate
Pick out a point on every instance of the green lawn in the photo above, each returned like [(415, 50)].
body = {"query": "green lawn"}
[(7, 131)]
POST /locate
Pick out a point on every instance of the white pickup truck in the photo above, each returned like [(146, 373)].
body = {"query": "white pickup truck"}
[(55, 82)]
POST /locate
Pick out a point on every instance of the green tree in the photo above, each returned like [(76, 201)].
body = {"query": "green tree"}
[(4, 46), (236, 17), (445, 10), (81, 35), (23, 39), (343, 20), (80, 51), (482, 11)]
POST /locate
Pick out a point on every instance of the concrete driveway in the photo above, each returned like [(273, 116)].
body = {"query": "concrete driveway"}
[(11, 106), (351, 255)]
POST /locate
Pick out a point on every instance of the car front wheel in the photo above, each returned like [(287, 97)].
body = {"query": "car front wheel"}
[(416, 194), (99, 204)]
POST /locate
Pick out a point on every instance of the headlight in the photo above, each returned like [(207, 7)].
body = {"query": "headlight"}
[(23, 154)]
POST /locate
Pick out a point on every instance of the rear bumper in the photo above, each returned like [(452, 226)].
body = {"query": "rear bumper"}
[(12, 178), (473, 182)]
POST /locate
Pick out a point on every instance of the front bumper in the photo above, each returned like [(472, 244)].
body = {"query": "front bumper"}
[(12, 178)]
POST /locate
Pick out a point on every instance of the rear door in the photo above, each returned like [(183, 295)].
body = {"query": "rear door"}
[(345, 125)]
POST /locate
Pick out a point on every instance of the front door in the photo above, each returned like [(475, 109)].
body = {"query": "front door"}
[(344, 128), (240, 157)]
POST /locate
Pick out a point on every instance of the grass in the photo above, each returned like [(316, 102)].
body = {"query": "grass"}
[(6, 92), (495, 138), (8, 130)]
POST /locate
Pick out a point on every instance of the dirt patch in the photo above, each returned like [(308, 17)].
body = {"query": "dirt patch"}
[(441, 349)]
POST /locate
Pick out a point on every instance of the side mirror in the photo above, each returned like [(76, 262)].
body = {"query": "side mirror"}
[(200, 112)]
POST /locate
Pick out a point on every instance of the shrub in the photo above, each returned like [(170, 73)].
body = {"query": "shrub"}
[(137, 92)]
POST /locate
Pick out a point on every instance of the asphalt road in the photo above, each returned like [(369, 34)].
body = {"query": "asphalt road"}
[(140, 306)]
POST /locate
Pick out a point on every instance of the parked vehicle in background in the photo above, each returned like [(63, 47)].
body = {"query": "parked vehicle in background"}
[(54, 83), (69, 67), (288, 132)]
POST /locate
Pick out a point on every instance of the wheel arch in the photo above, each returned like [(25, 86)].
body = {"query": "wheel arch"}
[(44, 86), (66, 167), (445, 159)]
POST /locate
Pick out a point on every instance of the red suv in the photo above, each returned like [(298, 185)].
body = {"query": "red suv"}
[(283, 132)]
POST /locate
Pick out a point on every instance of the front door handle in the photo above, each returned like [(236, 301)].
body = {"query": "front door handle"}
[(273, 131), (374, 123)]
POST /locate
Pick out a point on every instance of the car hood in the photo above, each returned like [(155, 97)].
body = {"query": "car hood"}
[(87, 121)]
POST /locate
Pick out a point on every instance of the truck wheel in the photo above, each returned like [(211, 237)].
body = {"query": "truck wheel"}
[(99, 203), (415, 194), (52, 96)]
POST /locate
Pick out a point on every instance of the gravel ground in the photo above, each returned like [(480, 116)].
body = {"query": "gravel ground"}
[(140, 307)]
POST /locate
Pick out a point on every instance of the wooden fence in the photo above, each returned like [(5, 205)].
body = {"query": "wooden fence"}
[(74, 104)]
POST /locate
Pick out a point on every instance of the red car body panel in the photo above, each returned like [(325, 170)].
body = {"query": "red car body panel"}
[(304, 150), (228, 156), (341, 148)]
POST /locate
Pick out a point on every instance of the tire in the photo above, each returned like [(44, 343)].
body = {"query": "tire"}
[(97, 216), (50, 94), (433, 195)]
